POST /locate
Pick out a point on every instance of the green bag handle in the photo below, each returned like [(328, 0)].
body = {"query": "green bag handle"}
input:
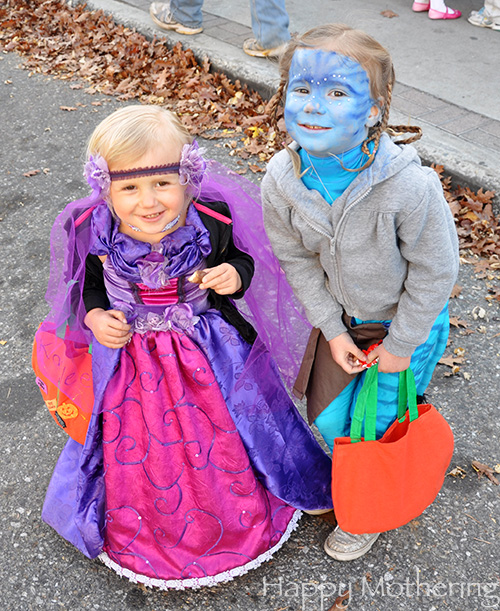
[(366, 403)]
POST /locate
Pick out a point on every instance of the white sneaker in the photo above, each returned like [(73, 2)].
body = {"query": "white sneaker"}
[(161, 14), (482, 19), (343, 546)]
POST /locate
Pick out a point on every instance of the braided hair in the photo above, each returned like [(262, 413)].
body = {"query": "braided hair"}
[(372, 57)]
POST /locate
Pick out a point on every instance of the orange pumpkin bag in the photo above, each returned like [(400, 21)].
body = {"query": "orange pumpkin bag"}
[(379, 485), (63, 372)]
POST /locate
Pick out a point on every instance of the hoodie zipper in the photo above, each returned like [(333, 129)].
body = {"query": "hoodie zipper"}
[(334, 242), (333, 239)]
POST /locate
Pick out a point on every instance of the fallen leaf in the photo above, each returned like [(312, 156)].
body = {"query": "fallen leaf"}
[(3, 342), (456, 291), (451, 360), (255, 168), (389, 14), (339, 602), (457, 322), (31, 173), (68, 108), (482, 469), (457, 472)]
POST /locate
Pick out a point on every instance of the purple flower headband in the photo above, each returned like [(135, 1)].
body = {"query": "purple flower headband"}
[(191, 169)]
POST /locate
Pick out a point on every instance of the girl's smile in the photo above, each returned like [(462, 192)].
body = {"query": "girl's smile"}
[(328, 105), (146, 205)]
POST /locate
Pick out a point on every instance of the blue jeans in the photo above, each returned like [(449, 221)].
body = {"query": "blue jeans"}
[(269, 19)]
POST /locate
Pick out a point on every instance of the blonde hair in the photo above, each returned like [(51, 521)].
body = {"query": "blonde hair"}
[(372, 57), (130, 132)]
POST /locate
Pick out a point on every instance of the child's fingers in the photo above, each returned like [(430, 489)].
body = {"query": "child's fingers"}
[(214, 276), (118, 321)]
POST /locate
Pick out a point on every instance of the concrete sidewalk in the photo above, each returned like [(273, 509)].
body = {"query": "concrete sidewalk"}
[(448, 77)]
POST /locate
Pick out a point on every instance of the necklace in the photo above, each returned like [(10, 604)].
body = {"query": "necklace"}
[(166, 228), (332, 199)]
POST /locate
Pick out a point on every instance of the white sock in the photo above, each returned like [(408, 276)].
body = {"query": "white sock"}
[(438, 5)]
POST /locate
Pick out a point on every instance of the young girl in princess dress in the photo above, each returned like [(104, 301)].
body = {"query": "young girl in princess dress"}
[(195, 457), (362, 231)]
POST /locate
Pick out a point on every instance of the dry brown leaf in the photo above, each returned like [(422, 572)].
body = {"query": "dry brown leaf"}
[(482, 469), (457, 472), (451, 360), (457, 289), (455, 321), (68, 108), (389, 14), (341, 602), (31, 173), (255, 168)]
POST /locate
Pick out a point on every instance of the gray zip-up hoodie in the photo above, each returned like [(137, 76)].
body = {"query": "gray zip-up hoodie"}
[(387, 248)]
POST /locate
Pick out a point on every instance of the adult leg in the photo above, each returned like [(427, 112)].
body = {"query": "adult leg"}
[(182, 16), (270, 27)]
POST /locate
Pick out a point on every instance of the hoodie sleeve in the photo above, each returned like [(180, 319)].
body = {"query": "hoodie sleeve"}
[(302, 267), (429, 243)]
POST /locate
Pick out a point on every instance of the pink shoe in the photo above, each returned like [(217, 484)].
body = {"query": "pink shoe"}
[(450, 14), (421, 7)]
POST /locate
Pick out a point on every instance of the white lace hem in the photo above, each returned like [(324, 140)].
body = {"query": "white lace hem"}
[(210, 581)]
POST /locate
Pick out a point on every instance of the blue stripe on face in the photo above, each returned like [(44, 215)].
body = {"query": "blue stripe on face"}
[(328, 102)]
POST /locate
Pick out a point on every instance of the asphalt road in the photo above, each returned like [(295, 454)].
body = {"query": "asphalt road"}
[(446, 559)]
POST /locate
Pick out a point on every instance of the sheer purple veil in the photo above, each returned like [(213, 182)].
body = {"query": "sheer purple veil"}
[(70, 242), (269, 304)]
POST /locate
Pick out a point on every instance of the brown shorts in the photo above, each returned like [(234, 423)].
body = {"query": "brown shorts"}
[(320, 379)]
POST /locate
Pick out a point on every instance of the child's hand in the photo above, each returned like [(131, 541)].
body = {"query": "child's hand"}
[(346, 354), (110, 327), (387, 362), (223, 279)]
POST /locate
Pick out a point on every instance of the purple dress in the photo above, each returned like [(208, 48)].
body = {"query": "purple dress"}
[(195, 454)]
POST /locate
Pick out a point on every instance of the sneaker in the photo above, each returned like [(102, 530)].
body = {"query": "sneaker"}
[(161, 14), (343, 546), (483, 20), (252, 47)]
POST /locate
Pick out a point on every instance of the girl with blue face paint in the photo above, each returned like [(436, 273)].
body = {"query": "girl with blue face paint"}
[(362, 231)]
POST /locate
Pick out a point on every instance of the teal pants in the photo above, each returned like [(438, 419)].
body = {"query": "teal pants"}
[(335, 420)]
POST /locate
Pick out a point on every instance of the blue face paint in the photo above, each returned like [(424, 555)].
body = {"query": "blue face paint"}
[(328, 102)]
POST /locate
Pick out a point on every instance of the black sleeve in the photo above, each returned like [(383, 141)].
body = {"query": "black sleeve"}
[(243, 263), (94, 291)]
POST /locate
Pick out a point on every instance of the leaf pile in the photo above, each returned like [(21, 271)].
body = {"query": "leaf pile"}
[(477, 226), (73, 42), (69, 42)]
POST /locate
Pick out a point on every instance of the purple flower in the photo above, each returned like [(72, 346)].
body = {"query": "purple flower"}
[(192, 165), (152, 270), (181, 316), (156, 322), (96, 173), (140, 326)]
